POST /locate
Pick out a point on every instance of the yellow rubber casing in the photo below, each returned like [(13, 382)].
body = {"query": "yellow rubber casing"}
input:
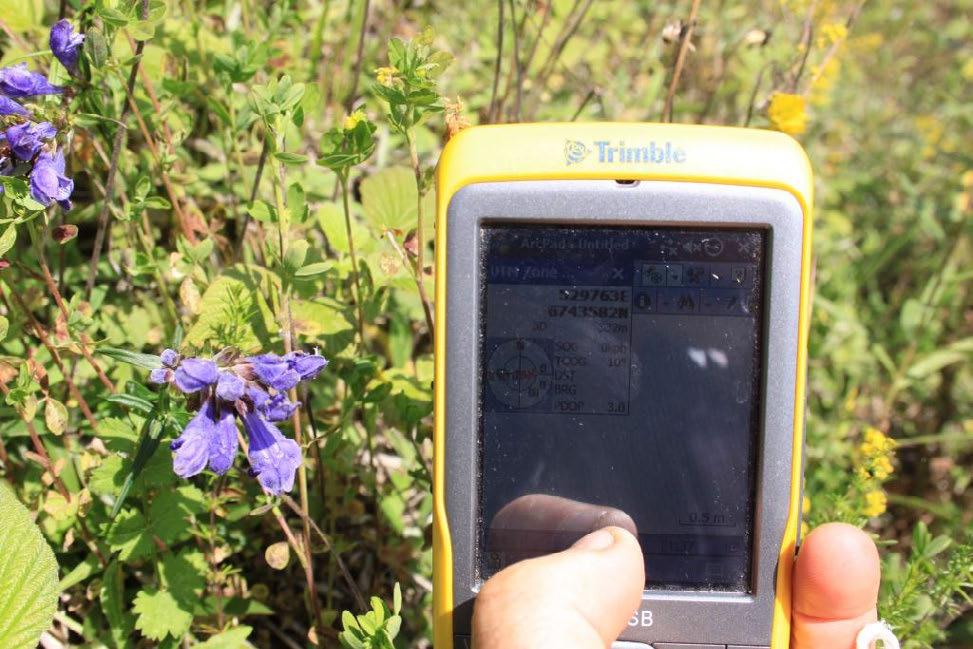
[(590, 151)]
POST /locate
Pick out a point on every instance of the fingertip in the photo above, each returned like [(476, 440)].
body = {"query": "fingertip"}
[(837, 573)]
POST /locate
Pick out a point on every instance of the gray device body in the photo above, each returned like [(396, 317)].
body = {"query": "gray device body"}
[(667, 619)]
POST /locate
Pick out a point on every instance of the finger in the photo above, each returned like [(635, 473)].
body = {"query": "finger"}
[(562, 520), (836, 582), (577, 599)]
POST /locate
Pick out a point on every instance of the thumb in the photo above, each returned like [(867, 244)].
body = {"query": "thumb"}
[(581, 598), (836, 582)]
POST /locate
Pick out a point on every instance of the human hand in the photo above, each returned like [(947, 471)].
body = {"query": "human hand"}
[(583, 597)]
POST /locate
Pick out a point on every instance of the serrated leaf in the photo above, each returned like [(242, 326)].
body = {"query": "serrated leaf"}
[(128, 535), (234, 312), (184, 574), (28, 576), (389, 199), (170, 510), (159, 615), (229, 639)]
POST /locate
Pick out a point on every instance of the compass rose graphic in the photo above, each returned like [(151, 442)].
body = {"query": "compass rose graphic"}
[(519, 373)]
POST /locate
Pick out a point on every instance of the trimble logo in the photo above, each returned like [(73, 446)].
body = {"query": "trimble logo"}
[(620, 153)]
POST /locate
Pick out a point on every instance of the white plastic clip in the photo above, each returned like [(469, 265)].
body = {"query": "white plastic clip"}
[(874, 632)]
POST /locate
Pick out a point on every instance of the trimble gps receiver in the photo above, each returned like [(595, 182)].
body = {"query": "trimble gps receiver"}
[(621, 331)]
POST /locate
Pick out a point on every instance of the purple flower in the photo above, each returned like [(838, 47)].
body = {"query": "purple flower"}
[(48, 182), (273, 457), (277, 408), (169, 357), (27, 139), (274, 371), (307, 365), (284, 372), (65, 44), (194, 374), (18, 81), (164, 374), (229, 386), (9, 107), (209, 439)]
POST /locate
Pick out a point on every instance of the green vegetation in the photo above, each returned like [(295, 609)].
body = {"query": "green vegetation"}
[(257, 175)]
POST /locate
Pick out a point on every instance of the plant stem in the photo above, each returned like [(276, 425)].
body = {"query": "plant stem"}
[(491, 117), (121, 136), (684, 42), (329, 546), (286, 324), (55, 356), (359, 307), (359, 56), (420, 239)]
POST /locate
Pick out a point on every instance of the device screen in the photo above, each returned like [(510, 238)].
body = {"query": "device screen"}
[(620, 384)]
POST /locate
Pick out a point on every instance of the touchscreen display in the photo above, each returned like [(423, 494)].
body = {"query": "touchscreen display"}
[(620, 384)]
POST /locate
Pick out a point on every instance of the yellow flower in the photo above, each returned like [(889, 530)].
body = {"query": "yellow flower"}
[(967, 179), (787, 114), (832, 33), (353, 120), (387, 75), (876, 503), (823, 78), (805, 505), (882, 468)]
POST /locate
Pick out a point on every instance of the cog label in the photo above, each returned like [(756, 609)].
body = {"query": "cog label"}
[(519, 373)]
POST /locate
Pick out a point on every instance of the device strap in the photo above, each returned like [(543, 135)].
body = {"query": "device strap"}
[(874, 632)]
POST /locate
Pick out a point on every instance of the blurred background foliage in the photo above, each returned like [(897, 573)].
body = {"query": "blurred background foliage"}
[(220, 223)]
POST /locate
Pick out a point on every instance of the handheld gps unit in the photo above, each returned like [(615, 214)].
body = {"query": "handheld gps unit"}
[(622, 315)]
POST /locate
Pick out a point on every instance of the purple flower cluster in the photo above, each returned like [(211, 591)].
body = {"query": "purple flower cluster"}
[(251, 388), (27, 146)]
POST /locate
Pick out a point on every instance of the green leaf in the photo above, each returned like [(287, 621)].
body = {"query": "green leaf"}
[(7, 239), (170, 510), (290, 158), (145, 361), (311, 270), (321, 317), (28, 576), (233, 311), (389, 199), (95, 47), (4, 327), (88, 567), (229, 639), (129, 536), (159, 615), (114, 603), (133, 402)]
